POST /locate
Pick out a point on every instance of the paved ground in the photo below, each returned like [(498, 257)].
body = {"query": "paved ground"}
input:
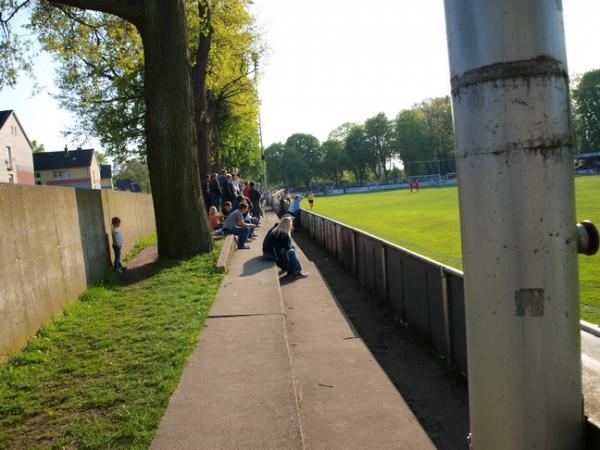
[(437, 397), (280, 365), (262, 378), (590, 357)]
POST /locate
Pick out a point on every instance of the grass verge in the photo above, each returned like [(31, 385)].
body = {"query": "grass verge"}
[(100, 376)]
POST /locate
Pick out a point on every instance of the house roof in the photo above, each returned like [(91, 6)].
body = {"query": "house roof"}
[(63, 159), (4, 115), (105, 171)]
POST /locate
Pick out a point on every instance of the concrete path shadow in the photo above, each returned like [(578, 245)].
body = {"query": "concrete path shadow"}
[(255, 265)]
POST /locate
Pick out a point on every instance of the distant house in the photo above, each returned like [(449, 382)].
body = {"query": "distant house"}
[(127, 185), (16, 161), (106, 176), (69, 168)]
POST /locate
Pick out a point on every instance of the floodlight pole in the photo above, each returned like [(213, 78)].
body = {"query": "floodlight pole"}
[(510, 96), (262, 148)]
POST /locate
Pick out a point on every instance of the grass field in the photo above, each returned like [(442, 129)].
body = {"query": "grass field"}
[(428, 223)]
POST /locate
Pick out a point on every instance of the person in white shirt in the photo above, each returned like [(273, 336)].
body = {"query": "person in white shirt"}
[(117, 237)]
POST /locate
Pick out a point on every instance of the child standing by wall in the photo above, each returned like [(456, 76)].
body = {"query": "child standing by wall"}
[(117, 237)]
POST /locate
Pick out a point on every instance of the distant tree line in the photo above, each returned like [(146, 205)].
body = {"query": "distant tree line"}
[(356, 153), (369, 151)]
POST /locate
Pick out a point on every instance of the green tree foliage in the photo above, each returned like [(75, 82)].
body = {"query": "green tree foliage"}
[(341, 133), (380, 134), (135, 170), (169, 127), (305, 150), (277, 167), (359, 153), (297, 162), (420, 136), (437, 113), (37, 147), (587, 111), (231, 91), (101, 77), (335, 160), (413, 139)]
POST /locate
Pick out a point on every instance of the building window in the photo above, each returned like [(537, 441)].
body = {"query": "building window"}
[(11, 178), (9, 159), (60, 174)]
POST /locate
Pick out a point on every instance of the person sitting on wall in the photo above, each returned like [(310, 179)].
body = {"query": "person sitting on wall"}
[(279, 241), (235, 224), (214, 219), (295, 209), (267, 246)]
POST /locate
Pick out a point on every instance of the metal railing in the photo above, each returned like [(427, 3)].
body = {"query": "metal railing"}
[(426, 295)]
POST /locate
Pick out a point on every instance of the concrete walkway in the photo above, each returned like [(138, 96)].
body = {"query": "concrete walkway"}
[(281, 368)]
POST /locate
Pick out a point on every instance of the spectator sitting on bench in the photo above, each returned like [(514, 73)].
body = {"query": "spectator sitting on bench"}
[(279, 240), (235, 224), (214, 221)]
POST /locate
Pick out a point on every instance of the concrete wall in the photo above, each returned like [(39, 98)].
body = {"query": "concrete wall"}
[(55, 242)]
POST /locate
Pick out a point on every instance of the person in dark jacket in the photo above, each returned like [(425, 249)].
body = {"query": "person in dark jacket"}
[(206, 192), (279, 240), (228, 191), (255, 198), (215, 191)]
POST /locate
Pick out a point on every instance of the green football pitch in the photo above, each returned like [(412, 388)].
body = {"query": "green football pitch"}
[(428, 223)]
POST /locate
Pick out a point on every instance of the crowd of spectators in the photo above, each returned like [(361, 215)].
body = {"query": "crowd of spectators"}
[(234, 207)]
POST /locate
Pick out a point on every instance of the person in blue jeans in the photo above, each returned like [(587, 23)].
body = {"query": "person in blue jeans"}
[(117, 238), (235, 224), (279, 240)]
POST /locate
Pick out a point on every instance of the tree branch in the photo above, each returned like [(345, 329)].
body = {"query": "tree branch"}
[(130, 10), (73, 17), (15, 11)]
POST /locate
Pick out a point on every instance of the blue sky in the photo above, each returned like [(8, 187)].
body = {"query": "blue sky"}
[(330, 62)]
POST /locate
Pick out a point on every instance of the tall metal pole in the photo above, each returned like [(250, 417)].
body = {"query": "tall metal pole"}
[(262, 148), (510, 96)]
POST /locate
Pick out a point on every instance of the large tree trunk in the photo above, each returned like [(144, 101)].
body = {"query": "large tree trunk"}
[(199, 72), (181, 222)]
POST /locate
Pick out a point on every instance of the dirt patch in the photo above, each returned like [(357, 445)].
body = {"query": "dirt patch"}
[(142, 266), (437, 396)]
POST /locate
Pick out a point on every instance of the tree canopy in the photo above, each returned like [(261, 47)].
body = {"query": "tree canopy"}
[(373, 150), (126, 73), (587, 111)]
